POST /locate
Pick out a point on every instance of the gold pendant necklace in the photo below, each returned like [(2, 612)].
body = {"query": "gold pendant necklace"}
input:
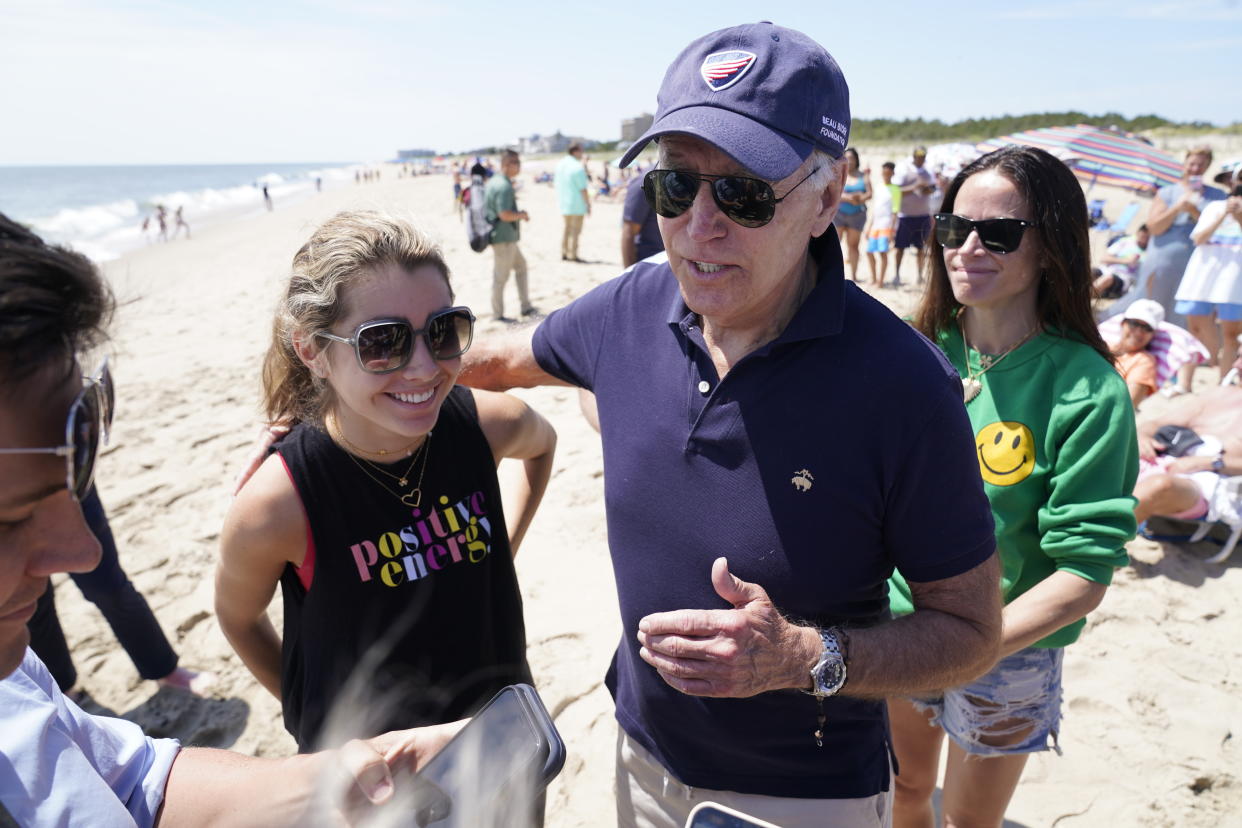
[(414, 497), (971, 386)]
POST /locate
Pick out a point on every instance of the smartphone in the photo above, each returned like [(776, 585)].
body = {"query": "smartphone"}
[(495, 768), (712, 815)]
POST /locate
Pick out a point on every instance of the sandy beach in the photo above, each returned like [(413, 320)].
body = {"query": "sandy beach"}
[(1153, 700)]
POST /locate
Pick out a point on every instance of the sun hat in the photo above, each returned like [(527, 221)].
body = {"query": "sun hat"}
[(1227, 171), (1146, 310), (764, 95)]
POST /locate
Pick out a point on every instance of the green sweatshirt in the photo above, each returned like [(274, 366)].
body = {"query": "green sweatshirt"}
[(1054, 432)]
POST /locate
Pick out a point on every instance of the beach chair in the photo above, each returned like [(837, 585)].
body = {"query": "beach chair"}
[(1180, 530), (1118, 228)]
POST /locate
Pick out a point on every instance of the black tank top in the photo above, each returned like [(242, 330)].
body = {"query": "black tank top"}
[(413, 615)]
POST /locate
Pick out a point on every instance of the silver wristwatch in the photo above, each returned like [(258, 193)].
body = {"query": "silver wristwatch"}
[(828, 675)]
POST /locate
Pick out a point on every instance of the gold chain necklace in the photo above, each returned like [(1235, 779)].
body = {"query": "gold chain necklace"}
[(970, 383), (414, 496), (340, 435)]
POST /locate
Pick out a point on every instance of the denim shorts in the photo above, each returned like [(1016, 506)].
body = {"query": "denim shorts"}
[(1023, 691), (1225, 311)]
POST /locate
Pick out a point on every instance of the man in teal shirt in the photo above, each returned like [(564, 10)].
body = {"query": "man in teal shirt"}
[(507, 258), (571, 191)]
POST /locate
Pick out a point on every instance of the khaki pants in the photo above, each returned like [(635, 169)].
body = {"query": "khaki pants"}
[(648, 796), (569, 239), (506, 258)]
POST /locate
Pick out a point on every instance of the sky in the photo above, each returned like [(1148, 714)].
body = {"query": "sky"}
[(235, 81)]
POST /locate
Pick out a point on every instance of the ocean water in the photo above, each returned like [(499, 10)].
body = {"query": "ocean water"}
[(100, 210)]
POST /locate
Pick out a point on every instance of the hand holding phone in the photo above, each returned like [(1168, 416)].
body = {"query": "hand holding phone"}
[(494, 768)]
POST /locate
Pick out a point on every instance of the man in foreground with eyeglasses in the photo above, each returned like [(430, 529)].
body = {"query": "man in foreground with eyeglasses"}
[(63, 766), (775, 442)]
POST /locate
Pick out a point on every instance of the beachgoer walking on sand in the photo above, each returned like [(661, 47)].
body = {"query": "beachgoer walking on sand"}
[(1009, 303), (380, 512), (267, 198), (728, 374), (575, 202), (852, 217), (161, 216), (507, 257), (180, 222), (63, 766), (457, 179), (881, 220), (914, 223)]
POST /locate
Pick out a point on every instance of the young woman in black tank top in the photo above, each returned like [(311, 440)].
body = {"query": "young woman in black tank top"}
[(379, 514)]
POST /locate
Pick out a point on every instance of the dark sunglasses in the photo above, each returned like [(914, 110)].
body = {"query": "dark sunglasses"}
[(1000, 235), (749, 202), (386, 345), (90, 417)]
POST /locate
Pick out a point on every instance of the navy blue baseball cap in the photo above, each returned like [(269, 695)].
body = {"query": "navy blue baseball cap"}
[(764, 95)]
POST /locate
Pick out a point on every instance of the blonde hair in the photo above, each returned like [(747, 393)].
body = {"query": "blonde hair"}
[(347, 246), (1200, 149)]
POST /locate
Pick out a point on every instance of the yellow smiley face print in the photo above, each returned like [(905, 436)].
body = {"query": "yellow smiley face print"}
[(1006, 453)]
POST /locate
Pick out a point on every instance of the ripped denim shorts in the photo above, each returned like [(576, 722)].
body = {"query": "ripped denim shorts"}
[(1022, 692)]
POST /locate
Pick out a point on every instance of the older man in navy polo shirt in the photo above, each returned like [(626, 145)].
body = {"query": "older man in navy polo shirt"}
[(775, 443)]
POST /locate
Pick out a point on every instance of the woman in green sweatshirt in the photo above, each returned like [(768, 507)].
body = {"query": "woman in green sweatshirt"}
[(1008, 301)]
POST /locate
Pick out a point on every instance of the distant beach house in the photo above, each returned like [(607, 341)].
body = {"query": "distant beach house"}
[(633, 128), (550, 144)]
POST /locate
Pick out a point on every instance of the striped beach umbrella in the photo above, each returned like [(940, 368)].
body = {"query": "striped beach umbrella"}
[(1099, 155)]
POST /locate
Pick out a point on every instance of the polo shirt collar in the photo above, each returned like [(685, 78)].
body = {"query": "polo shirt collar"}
[(821, 313)]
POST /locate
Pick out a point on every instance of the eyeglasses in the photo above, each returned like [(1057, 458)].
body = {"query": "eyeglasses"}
[(90, 417), (386, 345), (749, 202), (1000, 235)]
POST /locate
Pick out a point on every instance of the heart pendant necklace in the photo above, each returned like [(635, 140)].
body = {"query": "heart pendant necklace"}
[(414, 496), (971, 386)]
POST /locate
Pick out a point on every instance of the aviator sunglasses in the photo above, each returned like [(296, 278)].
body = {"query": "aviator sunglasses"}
[(386, 345), (749, 202), (1000, 235), (90, 417)]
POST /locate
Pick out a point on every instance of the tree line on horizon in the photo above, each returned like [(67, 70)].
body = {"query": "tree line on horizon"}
[(921, 130), (882, 130)]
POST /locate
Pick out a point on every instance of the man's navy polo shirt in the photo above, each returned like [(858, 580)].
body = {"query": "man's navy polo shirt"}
[(822, 460), (648, 242)]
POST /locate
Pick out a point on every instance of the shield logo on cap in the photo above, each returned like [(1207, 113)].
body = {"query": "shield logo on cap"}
[(723, 69)]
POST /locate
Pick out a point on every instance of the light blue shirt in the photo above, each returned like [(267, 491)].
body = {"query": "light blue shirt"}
[(571, 180), (62, 766)]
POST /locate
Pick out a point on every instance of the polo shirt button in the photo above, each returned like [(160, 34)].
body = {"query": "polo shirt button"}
[(704, 386)]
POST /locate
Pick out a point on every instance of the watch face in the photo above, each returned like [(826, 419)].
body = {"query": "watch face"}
[(830, 678)]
